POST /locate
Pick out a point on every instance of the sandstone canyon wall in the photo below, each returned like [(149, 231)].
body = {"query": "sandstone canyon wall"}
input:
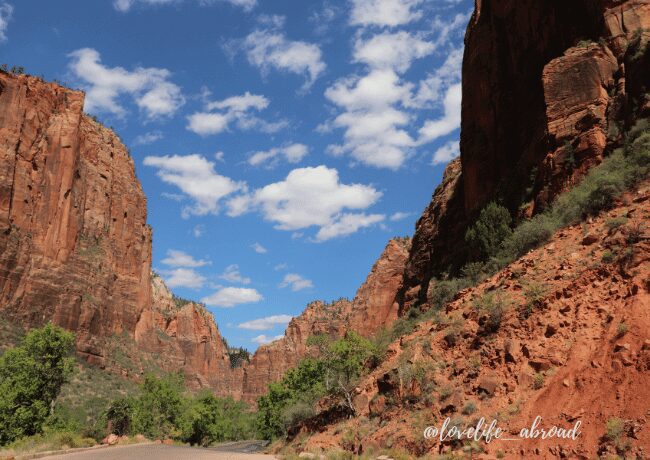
[(75, 248), (547, 89)]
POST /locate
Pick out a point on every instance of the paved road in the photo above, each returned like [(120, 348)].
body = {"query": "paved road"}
[(164, 452)]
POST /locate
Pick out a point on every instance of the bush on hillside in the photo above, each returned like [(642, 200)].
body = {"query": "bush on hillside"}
[(490, 230)]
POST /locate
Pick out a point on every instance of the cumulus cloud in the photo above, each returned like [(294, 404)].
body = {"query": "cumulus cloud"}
[(232, 275), (148, 138), (196, 177), (126, 5), (183, 277), (432, 89), (347, 224), (292, 153), (258, 248), (149, 87), (218, 116), (269, 48), (264, 324), (372, 120), (231, 296), (263, 339), (446, 153), (395, 51), (449, 122), (6, 13), (384, 13), (296, 282), (308, 197), (177, 258)]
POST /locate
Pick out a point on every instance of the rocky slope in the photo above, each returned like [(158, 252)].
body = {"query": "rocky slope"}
[(547, 89), (573, 344), (373, 307), (75, 248)]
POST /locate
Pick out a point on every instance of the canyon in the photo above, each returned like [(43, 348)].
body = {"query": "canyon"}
[(549, 89)]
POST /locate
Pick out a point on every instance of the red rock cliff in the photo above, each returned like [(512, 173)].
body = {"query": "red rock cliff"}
[(547, 88), (75, 248)]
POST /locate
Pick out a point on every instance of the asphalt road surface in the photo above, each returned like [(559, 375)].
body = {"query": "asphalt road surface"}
[(231, 451)]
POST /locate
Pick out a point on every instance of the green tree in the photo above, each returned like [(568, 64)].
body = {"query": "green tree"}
[(490, 230), (31, 376), (157, 410), (208, 420), (300, 387), (119, 416), (347, 359)]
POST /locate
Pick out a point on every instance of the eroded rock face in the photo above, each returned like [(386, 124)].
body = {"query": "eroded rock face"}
[(547, 89), (373, 307), (75, 248)]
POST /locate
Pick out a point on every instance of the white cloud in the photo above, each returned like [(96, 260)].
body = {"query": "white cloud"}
[(238, 110), (149, 87), (196, 177), (258, 248), (384, 13), (270, 48), (232, 275), (220, 156), (293, 153), (177, 258), (449, 28), (309, 197), (126, 5), (347, 224), (394, 51), (198, 231), (148, 138), (263, 324), (183, 277), (399, 216), (449, 122), (296, 282), (372, 123), (230, 296), (279, 267), (263, 339), (6, 13), (446, 153), (432, 89)]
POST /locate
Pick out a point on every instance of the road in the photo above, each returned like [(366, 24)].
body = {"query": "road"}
[(232, 451)]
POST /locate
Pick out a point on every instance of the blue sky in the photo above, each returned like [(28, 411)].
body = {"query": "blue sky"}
[(280, 143)]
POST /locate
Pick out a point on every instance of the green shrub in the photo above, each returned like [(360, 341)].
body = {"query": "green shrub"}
[(119, 415), (615, 223), (208, 419), (31, 376), (614, 428), (538, 381), (534, 294), (607, 257), (490, 230), (493, 306), (621, 329), (156, 412), (443, 291), (469, 408)]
